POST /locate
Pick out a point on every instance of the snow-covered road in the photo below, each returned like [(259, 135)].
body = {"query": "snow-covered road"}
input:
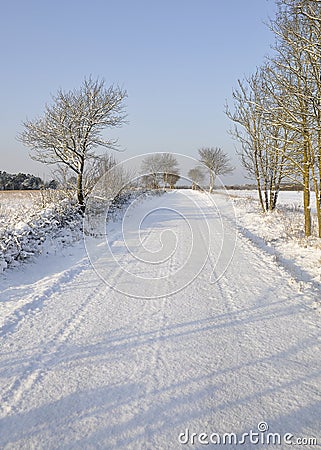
[(205, 343)]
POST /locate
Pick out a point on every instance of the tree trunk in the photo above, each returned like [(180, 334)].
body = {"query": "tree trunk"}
[(317, 202), (80, 187), (211, 181), (318, 192), (315, 175), (306, 193), (258, 180), (307, 208), (259, 190), (274, 192), (266, 198)]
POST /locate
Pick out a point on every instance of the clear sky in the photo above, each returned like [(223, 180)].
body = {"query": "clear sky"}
[(178, 60)]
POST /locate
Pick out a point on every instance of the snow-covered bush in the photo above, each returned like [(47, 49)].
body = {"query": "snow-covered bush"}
[(31, 231), (125, 198), (100, 210), (31, 224)]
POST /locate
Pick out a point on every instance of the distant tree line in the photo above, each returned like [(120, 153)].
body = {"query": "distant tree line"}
[(161, 169), (23, 181)]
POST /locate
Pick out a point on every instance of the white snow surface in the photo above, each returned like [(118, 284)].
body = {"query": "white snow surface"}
[(280, 233), (35, 222), (84, 366), (293, 199)]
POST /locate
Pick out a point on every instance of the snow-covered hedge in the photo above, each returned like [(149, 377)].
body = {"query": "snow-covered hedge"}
[(29, 227), (100, 209), (56, 224), (125, 198)]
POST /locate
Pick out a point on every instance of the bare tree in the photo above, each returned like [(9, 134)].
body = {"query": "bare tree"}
[(247, 114), (172, 179), (277, 111), (158, 168), (305, 38), (71, 128), (96, 168), (264, 141), (298, 49), (197, 176), (151, 170), (216, 161), (108, 180), (169, 167)]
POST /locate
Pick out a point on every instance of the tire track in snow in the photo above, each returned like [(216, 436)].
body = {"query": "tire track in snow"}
[(259, 246), (151, 367), (214, 339), (39, 365), (158, 359), (32, 303), (157, 367), (37, 368)]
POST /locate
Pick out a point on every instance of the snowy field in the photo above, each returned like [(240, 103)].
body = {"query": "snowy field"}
[(16, 206), (291, 199), (280, 233), (12, 199), (191, 318)]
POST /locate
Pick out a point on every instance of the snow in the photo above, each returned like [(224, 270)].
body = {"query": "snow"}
[(290, 199), (31, 225), (280, 233), (182, 320)]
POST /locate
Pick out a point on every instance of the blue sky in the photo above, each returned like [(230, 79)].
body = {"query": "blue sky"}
[(178, 60)]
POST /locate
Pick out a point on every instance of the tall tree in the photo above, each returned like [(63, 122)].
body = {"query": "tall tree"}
[(279, 109), (72, 127), (298, 62), (159, 167), (151, 170), (216, 161), (172, 179), (169, 167), (197, 176), (264, 141)]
